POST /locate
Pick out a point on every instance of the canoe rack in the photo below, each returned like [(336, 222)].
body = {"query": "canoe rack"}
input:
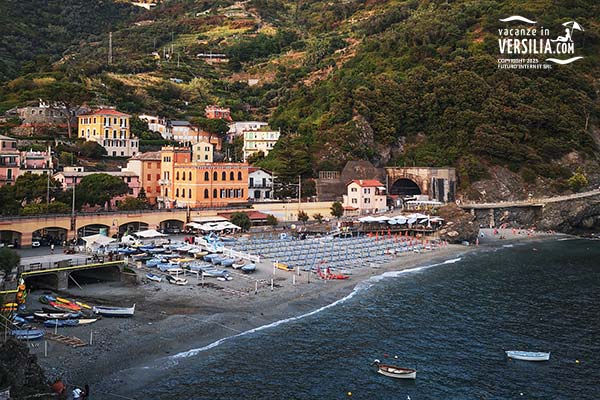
[(68, 340)]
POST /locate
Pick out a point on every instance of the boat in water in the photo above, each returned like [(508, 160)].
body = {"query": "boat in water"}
[(528, 355), (115, 311), (395, 372)]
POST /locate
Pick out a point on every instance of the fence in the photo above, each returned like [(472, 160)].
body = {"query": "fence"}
[(239, 254)]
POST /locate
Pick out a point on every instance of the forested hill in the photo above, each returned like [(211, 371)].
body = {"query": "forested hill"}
[(396, 82)]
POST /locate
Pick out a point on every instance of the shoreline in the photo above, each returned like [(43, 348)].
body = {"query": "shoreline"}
[(170, 322)]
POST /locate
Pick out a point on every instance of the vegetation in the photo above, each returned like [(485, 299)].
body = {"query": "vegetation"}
[(98, 189), (9, 260), (318, 218), (337, 210), (577, 182), (242, 220), (132, 204), (272, 220), (29, 193), (302, 216)]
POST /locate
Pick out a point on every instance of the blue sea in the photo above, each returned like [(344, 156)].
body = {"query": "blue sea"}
[(450, 320)]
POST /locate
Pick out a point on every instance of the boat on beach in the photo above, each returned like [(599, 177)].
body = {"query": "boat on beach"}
[(248, 268), (283, 267), (27, 334), (47, 316), (115, 311), (528, 355), (154, 277), (239, 263), (395, 372), (51, 323), (174, 280)]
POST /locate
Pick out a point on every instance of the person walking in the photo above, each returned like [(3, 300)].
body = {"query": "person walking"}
[(52, 248)]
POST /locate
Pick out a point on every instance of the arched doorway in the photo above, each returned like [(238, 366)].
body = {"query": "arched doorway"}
[(10, 238), (48, 236), (405, 187), (93, 229), (131, 227), (171, 226)]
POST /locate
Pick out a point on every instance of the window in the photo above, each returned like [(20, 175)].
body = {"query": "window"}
[(177, 176), (242, 193), (206, 176), (231, 176), (224, 176), (206, 193), (183, 176), (190, 175), (183, 193), (353, 189), (354, 201), (214, 193), (190, 193), (239, 175), (177, 192), (149, 177), (128, 179), (215, 176), (166, 192), (149, 189), (157, 177)]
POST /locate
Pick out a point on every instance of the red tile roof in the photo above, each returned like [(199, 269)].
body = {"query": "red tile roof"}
[(107, 111), (367, 183)]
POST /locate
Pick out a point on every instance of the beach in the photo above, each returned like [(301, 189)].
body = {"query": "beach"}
[(171, 320)]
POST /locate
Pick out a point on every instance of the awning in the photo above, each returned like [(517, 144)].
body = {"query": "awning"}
[(98, 240), (149, 233)]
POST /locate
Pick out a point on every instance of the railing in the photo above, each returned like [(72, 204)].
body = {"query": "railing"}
[(260, 186), (239, 254), (80, 262)]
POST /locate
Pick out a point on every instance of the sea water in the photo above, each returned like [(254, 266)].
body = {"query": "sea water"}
[(451, 321)]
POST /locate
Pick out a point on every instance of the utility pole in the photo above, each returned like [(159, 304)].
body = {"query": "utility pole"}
[(110, 56), (299, 191), (73, 224)]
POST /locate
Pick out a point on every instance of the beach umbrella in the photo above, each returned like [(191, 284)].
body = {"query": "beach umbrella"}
[(574, 25)]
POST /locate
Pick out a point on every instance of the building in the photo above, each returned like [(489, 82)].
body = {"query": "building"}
[(216, 112), (156, 124), (237, 128), (364, 197), (36, 162), (189, 181), (257, 141), (110, 129), (260, 184), (147, 167), (10, 160), (43, 114), (185, 132)]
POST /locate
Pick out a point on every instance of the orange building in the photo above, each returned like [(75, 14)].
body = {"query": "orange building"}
[(187, 180), (147, 167)]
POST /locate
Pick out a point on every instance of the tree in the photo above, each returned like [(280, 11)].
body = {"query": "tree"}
[(242, 220), (68, 96), (91, 150), (132, 203), (142, 194), (318, 218), (577, 182), (9, 260), (98, 189), (255, 158), (272, 220), (216, 127), (56, 207), (337, 210), (33, 187), (302, 216)]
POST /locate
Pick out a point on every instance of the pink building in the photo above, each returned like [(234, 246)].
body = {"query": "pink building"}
[(364, 196), (10, 160), (36, 162), (216, 112)]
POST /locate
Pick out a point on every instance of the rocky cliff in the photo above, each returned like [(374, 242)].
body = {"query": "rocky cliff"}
[(19, 371)]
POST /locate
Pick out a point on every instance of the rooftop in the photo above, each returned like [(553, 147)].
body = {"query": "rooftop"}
[(107, 111), (367, 183), (148, 156), (113, 173), (2, 137)]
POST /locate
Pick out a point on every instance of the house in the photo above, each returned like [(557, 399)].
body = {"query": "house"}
[(72, 177), (185, 132), (261, 140), (110, 129), (216, 112), (156, 124), (189, 180), (364, 197), (237, 128), (10, 160), (37, 162), (147, 167), (260, 184)]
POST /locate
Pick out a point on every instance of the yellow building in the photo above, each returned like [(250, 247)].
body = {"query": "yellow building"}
[(110, 129), (190, 178)]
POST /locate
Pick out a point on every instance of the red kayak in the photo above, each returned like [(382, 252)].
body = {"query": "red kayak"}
[(65, 306)]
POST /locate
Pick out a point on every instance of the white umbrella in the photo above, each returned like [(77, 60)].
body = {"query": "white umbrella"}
[(573, 25)]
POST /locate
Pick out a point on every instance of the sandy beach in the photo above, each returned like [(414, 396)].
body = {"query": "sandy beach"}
[(174, 319)]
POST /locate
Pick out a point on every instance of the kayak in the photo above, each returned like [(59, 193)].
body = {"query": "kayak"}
[(83, 305)]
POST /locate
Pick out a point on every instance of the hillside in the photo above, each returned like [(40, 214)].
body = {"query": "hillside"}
[(395, 82)]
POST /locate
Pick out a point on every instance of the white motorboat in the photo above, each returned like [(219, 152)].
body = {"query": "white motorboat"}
[(528, 355), (115, 311)]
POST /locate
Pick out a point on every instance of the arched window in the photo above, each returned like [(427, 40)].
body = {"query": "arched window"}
[(224, 176), (242, 193), (214, 192), (239, 175), (177, 176), (206, 193), (183, 193), (190, 193), (206, 176), (215, 176), (183, 175), (190, 175), (177, 192), (166, 192), (231, 176)]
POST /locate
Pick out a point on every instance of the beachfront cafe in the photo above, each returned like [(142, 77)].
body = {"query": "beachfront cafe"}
[(412, 224)]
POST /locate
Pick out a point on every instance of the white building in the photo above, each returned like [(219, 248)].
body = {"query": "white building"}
[(156, 124), (256, 141), (260, 184), (238, 128), (364, 197)]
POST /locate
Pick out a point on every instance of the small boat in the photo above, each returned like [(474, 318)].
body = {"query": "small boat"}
[(282, 266), (27, 334), (7, 307), (218, 260), (209, 257), (395, 372), (83, 305), (63, 300), (174, 280), (228, 262), (175, 271), (154, 277), (115, 311), (47, 316), (249, 268), (153, 262), (215, 273), (528, 355), (239, 263), (86, 321), (51, 323), (46, 299), (65, 306)]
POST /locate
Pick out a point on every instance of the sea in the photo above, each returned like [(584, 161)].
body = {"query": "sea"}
[(451, 320)]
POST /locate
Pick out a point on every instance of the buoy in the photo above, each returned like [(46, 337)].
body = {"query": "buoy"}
[(576, 361), (349, 394), (396, 357), (521, 393)]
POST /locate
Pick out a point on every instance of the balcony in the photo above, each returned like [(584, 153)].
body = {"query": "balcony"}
[(164, 182), (260, 186)]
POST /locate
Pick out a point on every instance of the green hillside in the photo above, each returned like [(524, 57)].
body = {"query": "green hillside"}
[(395, 82)]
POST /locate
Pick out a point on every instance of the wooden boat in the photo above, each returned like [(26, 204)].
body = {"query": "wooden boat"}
[(9, 307), (63, 300), (239, 263), (528, 355), (283, 267), (174, 280), (248, 268), (154, 277), (27, 334), (115, 311), (395, 372)]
